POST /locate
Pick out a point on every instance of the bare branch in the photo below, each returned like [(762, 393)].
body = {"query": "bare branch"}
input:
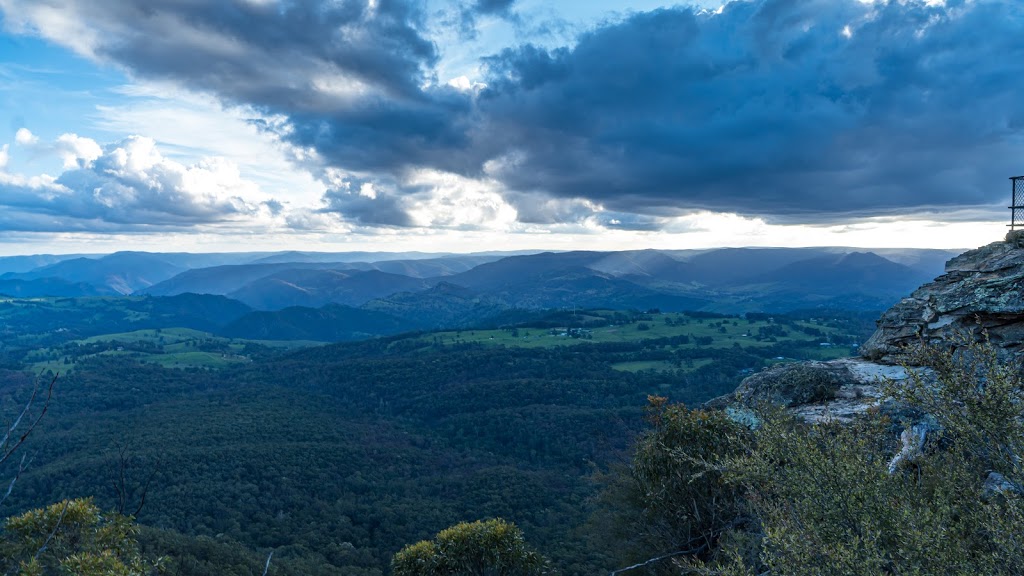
[(53, 533), (696, 550), (707, 538), (267, 566), (145, 489), (6, 446), (21, 468), (126, 487)]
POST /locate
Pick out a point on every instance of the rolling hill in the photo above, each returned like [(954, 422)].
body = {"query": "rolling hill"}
[(221, 279), (331, 323), (315, 288), (733, 280), (117, 273)]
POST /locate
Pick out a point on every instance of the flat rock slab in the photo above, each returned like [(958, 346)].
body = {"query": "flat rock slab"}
[(837, 390)]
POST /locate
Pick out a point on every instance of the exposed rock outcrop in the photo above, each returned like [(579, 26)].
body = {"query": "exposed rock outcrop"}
[(794, 384), (816, 391), (996, 483), (982, 289)]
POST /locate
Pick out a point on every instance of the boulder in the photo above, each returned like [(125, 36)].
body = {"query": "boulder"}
[(815, 391), (794, 384), (997, 484)]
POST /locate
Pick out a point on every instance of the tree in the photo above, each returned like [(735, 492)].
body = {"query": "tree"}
[(680, 502), (72, 537), (482, 548)]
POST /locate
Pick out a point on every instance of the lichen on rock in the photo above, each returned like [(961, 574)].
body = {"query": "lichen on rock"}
[(794, 384), (981, 291)]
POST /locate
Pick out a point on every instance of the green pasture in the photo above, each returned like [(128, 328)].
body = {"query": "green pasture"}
[(173, 348), (723, 333)]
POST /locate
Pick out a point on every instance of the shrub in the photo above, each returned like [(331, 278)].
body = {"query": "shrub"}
[(482, 548), (677, 498), (829, 498), (72, 537)]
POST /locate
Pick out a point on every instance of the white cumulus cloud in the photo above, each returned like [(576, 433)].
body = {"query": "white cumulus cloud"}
[(129, 186), (25, 137), (76, 151)]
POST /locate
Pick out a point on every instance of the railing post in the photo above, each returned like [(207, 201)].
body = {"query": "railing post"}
[(1016, 202)]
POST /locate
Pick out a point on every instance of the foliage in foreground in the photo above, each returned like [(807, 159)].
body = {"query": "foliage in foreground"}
[(829, 498), (677, 495), (482, 548), (72, 537)]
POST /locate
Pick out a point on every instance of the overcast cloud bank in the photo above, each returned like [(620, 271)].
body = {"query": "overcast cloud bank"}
[(797, 111)]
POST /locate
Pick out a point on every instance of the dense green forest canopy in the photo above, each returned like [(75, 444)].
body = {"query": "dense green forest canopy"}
[(335, 457)]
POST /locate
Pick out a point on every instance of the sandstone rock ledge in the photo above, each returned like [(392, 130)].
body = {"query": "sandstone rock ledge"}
[(838, 390), (982, 290)]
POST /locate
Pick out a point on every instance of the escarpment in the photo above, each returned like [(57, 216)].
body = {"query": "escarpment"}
[(982, 292), (980, 296)]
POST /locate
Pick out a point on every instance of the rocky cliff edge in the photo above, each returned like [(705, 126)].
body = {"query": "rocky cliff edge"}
[(981, 292)]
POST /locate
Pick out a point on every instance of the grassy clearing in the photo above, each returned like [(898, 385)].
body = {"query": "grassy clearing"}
[(169, 347), (723, 333), (209, 360), (158, 336)]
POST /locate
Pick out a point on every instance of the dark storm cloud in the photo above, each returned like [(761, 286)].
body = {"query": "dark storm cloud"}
[(493, 6), (770, 109), (371, 201), (796, 110), (388, 135), (271, 53)]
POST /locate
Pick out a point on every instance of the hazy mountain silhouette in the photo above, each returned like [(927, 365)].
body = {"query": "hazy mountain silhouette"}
[(221, 279), (723, 280), (120, 272), (315, 288)]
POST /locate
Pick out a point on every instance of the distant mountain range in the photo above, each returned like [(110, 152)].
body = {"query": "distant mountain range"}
[(420, 290)]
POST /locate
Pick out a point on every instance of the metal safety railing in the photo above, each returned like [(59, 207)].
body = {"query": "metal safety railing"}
[(1017, 203)]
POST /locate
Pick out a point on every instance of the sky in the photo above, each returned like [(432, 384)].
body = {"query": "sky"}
[(470, 125)]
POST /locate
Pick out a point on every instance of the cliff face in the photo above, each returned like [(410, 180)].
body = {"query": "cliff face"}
[(981, 290)]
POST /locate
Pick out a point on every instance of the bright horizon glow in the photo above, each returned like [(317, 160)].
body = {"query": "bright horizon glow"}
[(911, 234)]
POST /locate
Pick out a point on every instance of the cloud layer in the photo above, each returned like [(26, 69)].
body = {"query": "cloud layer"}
[(795, 109), (126, 186), (809, 111)]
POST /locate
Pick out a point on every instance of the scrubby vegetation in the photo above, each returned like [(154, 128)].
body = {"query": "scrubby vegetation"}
[(792, 498), (72, 537), (482, 548)]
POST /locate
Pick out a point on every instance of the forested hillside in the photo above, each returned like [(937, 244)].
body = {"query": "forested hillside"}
[(334, 457)]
